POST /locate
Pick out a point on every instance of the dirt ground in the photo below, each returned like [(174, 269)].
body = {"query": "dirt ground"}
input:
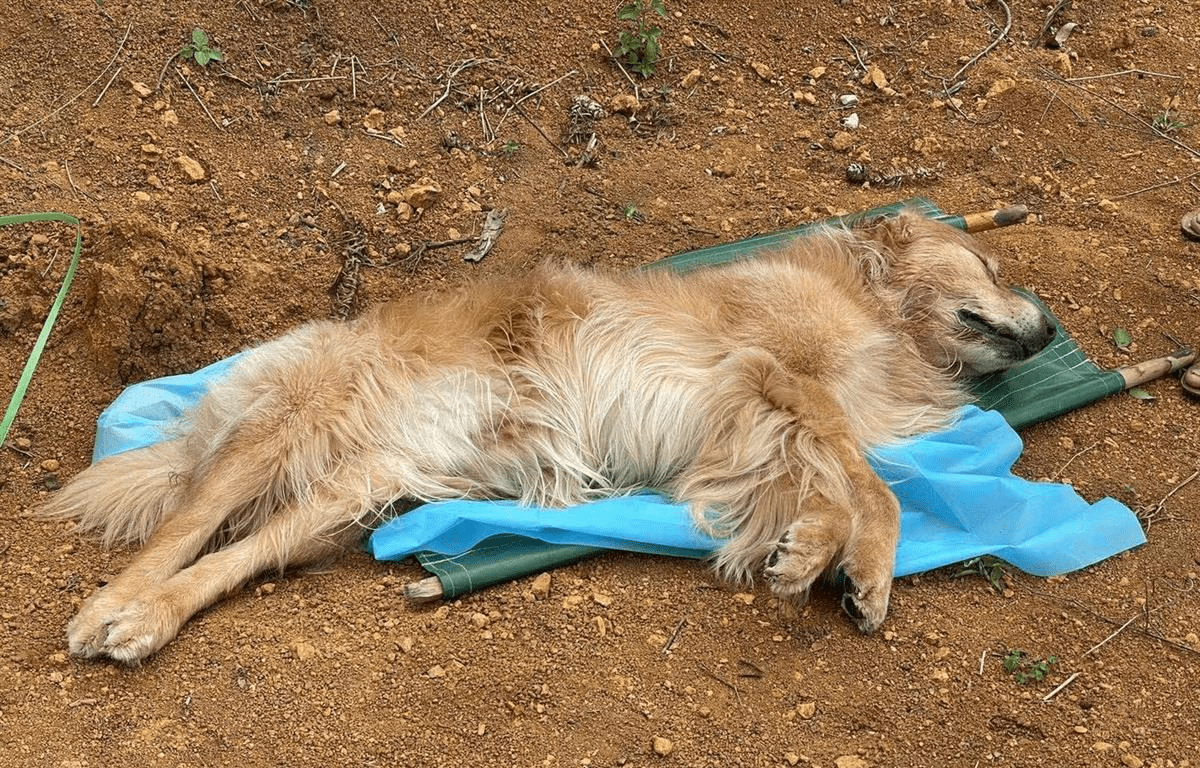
[(221, 201)]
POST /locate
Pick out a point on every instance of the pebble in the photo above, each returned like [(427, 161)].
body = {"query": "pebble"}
[(480, 620), (762, 70), (661, 746), (422, 194), (847, 99), (807, 710), (1131, 760), (436, 671), (50, 465), (541, 586), (851, 761), (374, 120), (744, 597), (303, 650), (601, 599), (1108, 206), (841, 141), (850, 121), (690, 79), (191, 168), (1102, 746), (624, 104), (332, 117), (141, 89)]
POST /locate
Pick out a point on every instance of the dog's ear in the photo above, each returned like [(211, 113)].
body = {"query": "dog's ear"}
[(891, 232)]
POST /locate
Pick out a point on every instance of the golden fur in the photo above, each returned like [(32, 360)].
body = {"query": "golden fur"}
[(751, 392)]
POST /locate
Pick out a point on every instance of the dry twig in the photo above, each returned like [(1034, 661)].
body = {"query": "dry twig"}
[(1008, 20)]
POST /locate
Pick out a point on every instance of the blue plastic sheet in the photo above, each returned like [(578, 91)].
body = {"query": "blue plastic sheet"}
[(958, 496)]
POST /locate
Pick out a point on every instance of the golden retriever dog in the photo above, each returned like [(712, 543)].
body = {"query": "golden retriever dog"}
[(750, 392)]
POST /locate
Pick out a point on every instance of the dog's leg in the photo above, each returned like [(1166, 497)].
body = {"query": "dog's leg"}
[(225, 487), (305, 531), (786, 463)]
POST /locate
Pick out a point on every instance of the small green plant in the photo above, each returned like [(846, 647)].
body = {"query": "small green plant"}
[(990, 568), (640, 47), (199, 50), (1166, 123), (510, 148), (630, 212), (1023, 669)]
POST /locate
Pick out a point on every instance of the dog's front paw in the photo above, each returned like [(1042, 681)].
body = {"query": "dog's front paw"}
[(125, 631), (866, 605), (799, 558)]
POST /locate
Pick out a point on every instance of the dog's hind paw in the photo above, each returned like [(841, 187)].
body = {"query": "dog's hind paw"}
[(128, 632), (866, 606), (799, 558)]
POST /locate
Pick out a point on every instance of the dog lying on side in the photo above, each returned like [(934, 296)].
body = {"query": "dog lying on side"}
[(749, 391)]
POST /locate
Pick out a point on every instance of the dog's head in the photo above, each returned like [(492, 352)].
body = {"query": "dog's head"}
[(947, 289)]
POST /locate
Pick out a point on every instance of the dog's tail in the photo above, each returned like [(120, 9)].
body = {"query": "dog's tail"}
[(124, 497)]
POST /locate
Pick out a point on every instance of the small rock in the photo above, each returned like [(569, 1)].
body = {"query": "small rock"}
[(191, 168), (1000, 86), (875, 77), (50, 465), (267, 588), (744, 597), (688, 41), (851, 761), (406, 644), (1102, 746), (1080, 729), (807, 709), (423, 193), (1191, 639), (623, 104), (762, 70), (850, 121), (1131, 760), (141, 197), (571, 602), (1108, 206), (303, 650), (436, 671), (662, 747), (374, 120), (604, 600), (847, 99), (723, 170), (816, 72), (332, 117), (169, 118), (791, 758), (939, 675), (541, 586), (480, 620), (23, 443), (690, 79), (808, 97), (841, 141), (141, 89)]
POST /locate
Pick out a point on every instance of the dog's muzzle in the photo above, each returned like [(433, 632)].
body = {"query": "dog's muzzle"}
[(1016, 339)]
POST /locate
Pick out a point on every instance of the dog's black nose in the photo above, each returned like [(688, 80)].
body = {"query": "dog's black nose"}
[(1039, 337)]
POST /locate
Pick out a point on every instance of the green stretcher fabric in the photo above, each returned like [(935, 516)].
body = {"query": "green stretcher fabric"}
[(1057, 380)]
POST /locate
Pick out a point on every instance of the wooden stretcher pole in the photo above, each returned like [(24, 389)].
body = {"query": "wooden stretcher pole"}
[(1001, 217), (1149, 370)]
